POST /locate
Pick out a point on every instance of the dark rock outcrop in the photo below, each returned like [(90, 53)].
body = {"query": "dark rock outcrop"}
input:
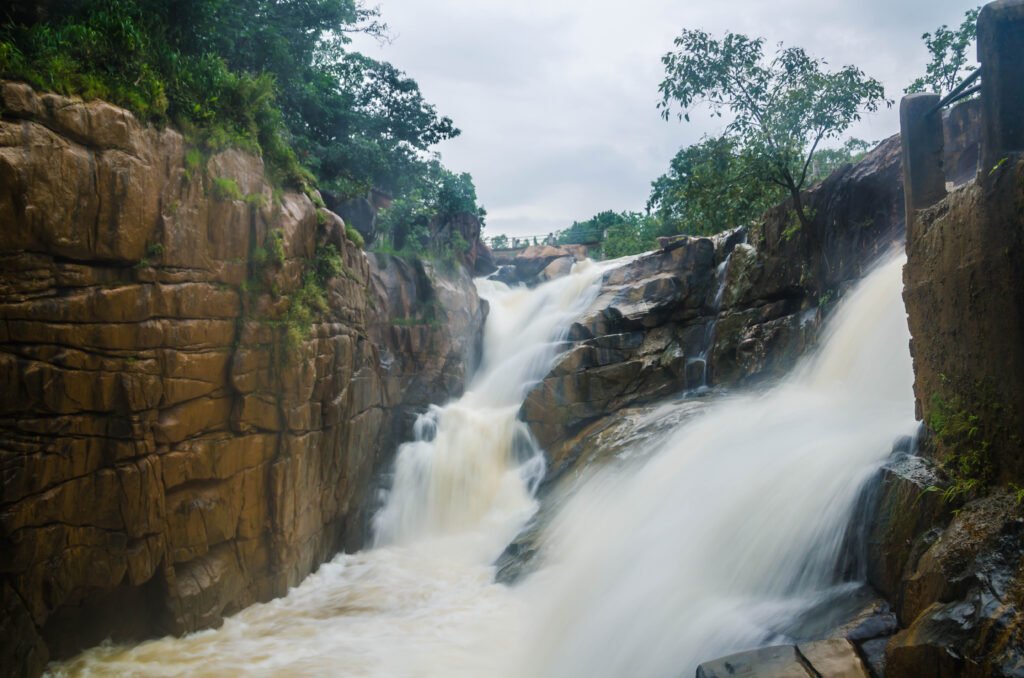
[(726, 311), (185, 427), (955, 571)]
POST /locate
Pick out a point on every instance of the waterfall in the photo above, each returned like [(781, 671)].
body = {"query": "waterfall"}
[(712, 541), (736, 523), (472, 461), (701, 360)]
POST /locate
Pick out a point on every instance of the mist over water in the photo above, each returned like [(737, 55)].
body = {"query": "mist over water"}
[(714, 543)]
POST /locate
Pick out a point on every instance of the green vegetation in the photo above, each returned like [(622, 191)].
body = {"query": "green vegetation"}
[(620, 233), (274, 78), (969, 464), (968, 422), (410, 223), (949, 51), (780, 108), (225, 189), (354, 236), (711, 187)]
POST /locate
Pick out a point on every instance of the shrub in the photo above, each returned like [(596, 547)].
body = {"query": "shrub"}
[(225, 189), (354, 236)]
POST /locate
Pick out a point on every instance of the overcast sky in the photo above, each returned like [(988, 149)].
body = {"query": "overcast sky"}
[(556, 98)]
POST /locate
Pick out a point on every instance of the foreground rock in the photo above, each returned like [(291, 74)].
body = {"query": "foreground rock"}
[(188, 425), (832, 658)]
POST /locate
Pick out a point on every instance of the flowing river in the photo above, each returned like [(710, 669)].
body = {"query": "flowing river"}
[(712, 541)]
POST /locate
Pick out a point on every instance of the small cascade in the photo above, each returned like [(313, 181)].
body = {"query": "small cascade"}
[(699, 364), (473, 461)]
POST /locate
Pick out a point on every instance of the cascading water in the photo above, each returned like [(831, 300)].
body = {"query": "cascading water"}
[(701, 361), (729, 529), (472, 460), (736, 524)]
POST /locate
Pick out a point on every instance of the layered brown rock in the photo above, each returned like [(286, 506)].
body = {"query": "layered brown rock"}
[(175, 442)]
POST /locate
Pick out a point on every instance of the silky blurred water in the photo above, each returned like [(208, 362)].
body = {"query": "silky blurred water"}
[(711, 542)]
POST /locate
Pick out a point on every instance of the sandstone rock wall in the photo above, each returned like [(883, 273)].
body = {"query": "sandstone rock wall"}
[(177, 440)]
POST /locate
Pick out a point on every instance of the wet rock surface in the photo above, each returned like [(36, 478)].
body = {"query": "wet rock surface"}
[(730, 311), (961, 599), (836, 658), (177, 443)]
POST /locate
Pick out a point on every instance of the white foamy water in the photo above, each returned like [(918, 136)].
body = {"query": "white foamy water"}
[(728, 530)]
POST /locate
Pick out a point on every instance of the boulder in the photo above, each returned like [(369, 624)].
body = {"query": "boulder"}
[(559, 268), (960, 600), (532, 261)]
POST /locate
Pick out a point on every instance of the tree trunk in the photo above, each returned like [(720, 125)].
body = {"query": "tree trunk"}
[(814, 251)]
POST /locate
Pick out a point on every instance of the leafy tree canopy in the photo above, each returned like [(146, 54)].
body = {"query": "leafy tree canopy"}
[(780, 107), (438, 195), (273, 76), (591, 230), (949, 52), (711, 187), (620, 233)]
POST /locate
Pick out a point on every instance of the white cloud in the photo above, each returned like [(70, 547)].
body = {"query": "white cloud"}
[(556, 98)]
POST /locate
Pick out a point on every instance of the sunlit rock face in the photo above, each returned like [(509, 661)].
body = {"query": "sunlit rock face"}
[(174, 443)]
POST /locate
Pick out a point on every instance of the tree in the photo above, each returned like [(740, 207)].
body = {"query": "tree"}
[(591, 230), (828, 160), (711, 187), (632, 234), (275, 77), (620, 233), (949, 50), (437, 196), (780, 108)]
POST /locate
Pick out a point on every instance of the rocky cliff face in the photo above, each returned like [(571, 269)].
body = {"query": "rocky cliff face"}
[(201, 376), (953, 565), (716, 312), (732, 310)]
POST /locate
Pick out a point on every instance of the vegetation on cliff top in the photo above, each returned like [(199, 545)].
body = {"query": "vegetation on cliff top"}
[(275, 78), (949, 49)]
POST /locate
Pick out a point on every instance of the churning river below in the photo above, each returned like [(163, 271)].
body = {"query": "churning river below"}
[(712, 540)]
